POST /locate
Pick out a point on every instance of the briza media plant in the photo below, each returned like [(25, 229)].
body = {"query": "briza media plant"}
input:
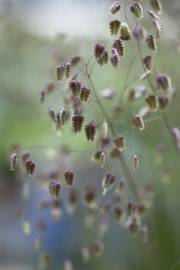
[(122, 199)]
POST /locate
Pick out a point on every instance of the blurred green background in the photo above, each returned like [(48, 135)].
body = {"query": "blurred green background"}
[(34, 37)]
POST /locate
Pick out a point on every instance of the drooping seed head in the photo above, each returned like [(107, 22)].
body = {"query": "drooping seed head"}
[(114, 27), (73, 197), (135, 162), (67, 70), (108, 182), (54, 188), (138, 122), (58, 121), (119, 141), (85, 94), (13, 161), (90, 131), (64, 115), (75, 87), (90, 198), (69, 178), (119, 46), (151, 42), (152, 101), (103, 59), (99, 50), (30, 167), (77, 122), (115, 58), (125, 32), (156, 5), (117, 213), (163, 102), (137, 9), (116, 6), (60, 72), (163, 82), (148, 62), (52, 115)]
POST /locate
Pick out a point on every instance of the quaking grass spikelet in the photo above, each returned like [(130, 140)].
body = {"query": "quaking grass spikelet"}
[(60, 70), (30, 167), (108, 182), (85, 94), (156, 5), (151, 42), (75, 87), (163, 102), (114, 27), (152, 101), (54, 188), (116, 6), (138, 122), (90, 131), (125, 32), (137, 9), (135, 162), (119, 141), (69, 178), (115, 58), (77, 122), (13, 161), (148, 62), (119, 46), (163, 82)]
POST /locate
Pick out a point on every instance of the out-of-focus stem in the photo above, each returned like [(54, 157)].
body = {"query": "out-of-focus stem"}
[(129, 178)]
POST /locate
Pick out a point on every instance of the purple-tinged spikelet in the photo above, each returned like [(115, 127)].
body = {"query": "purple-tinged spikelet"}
[(137, 9), (115, 7), (75, 87), (119, 46), (54, 188), (163, 82), (115, 58), (148, 62)]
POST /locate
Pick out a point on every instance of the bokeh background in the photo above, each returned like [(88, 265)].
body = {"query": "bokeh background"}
[(34, 36)]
